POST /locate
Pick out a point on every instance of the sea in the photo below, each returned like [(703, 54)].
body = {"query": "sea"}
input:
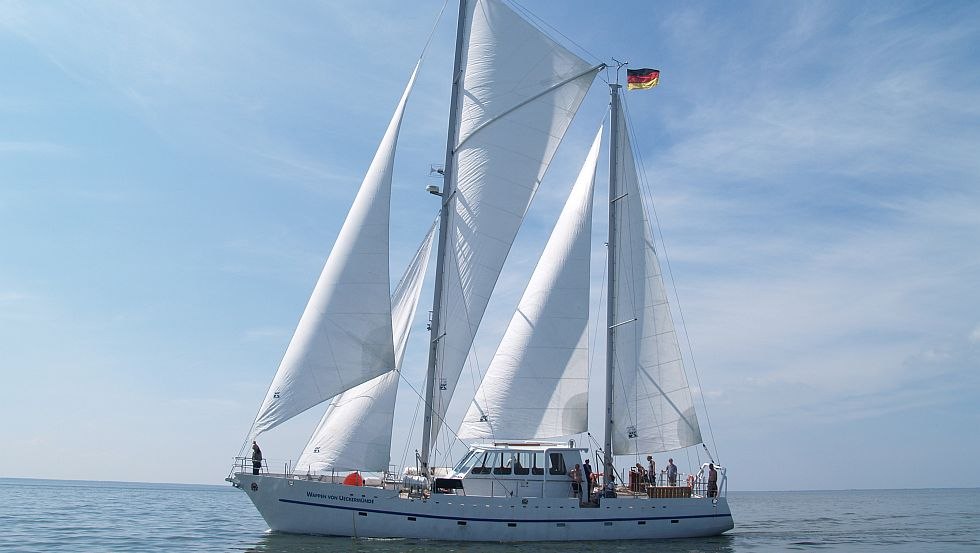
[(60, 515)]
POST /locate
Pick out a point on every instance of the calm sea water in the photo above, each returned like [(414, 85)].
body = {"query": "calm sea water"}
[(51, 515)]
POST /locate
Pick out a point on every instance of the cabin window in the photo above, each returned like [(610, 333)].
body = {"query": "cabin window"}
[(557, 464), (493, 460), (467, 461), (506, 462), (481, 465), (523, 462), (490, 460), (535, 469)]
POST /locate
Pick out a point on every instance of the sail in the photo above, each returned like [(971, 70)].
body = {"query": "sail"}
[(344, 337), (536, 386), (652, 405), (355, 432), (519, 92)]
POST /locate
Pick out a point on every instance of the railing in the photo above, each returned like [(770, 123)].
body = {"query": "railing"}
[(247, 465)]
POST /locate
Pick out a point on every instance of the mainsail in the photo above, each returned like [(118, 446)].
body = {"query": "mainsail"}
[(652, 405), (536, 386), (520, 90), (355, 432), (344, 337)]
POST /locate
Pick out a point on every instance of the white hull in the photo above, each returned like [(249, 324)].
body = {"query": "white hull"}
[(310, 507)]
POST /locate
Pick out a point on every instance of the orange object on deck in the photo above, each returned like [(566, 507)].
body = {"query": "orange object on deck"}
[(354, 479)]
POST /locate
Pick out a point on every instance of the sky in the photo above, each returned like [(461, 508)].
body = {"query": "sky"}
[(173, 175)]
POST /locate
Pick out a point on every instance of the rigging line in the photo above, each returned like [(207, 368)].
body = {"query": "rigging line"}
[(595, 327), (624, 231), (442, 420), (548, 29), (650, 378), (673, 283), (471, 351), (409, 441), (432, 31), (593, 348)]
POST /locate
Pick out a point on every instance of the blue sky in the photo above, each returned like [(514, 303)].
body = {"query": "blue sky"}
[(173, 174)]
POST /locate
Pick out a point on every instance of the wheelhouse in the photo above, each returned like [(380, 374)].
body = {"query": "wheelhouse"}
[(514, 470)]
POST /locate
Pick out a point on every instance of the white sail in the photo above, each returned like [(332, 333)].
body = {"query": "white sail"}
[(536, 386), (344, 337), (652, 405), (355, 432), (520, 90)]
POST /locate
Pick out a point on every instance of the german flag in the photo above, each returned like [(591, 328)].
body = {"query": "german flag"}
[(642, 78)]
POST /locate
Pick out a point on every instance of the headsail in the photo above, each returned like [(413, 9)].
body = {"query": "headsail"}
[(520, 90), (536, 386), (652, 407), (355, 432), (344, 337)]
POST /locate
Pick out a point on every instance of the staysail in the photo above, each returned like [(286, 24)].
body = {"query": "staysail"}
[(652, 405), (520, 90), (355, 432), (536, 386), (344, 337)]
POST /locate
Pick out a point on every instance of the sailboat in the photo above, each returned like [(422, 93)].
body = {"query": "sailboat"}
[(515, 91)]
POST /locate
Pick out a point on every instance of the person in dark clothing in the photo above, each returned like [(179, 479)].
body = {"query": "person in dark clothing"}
[(712, 480), (256, 458), (587, 468)]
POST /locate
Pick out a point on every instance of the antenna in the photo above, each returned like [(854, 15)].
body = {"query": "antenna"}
[(619, 65)]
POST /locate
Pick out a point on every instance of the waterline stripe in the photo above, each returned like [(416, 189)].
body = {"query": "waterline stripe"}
[(549, 520)]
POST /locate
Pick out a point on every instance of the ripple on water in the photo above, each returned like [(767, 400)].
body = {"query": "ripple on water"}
[(37, 515)]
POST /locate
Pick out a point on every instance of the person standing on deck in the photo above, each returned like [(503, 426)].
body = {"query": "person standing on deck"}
[(256, 458), (576, 474), (587, 469), (712, 480), (652, 470), (671, 473)]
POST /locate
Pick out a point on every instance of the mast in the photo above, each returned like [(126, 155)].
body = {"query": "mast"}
[(447, 195), (611, 323)]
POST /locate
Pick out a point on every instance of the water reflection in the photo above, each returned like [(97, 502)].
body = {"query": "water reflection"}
[(288, 543)]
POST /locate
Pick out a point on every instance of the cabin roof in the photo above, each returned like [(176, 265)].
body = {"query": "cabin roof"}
[(526, 446)]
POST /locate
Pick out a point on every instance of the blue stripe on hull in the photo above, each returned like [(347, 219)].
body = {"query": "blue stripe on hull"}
[(549, 520)]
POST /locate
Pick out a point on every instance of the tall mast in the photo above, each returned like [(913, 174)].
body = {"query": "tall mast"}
[(447, 196), (611, 323)]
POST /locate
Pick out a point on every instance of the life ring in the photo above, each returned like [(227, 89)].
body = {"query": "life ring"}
[(690, 480)]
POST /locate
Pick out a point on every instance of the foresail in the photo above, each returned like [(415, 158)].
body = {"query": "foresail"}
[(536, 386), (652, 405), (344, 337), (520, 90), (355, 432)]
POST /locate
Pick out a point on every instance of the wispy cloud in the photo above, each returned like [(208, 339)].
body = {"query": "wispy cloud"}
[(35, 148), (820, 199)]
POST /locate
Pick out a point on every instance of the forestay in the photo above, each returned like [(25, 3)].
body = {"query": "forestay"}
[(355, 432), (536, 386), (652, 405), (519, 92), (344, 337)]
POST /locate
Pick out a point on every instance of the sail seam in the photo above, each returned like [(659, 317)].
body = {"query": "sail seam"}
[(556, 86)]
